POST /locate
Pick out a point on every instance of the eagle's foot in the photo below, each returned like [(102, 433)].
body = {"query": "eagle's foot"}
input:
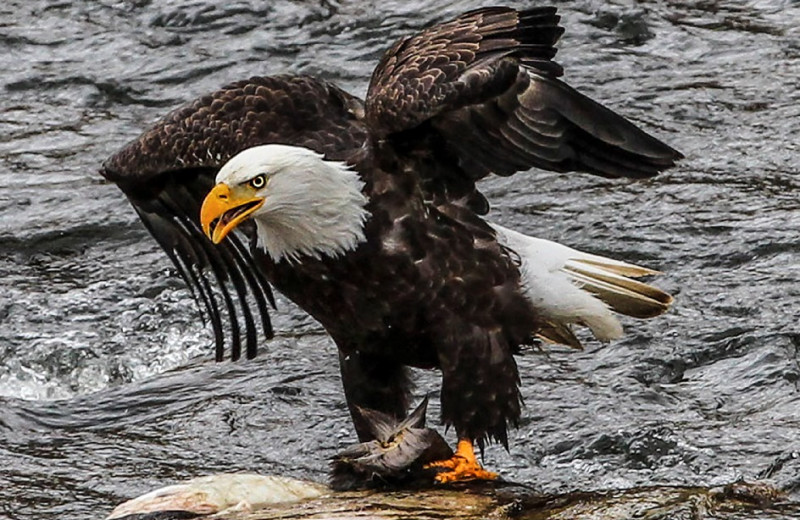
[(462, 465)]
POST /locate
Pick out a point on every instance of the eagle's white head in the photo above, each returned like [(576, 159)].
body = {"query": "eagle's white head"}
[(302, 204)]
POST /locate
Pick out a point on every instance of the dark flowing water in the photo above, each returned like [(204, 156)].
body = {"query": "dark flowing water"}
[(107, 384)]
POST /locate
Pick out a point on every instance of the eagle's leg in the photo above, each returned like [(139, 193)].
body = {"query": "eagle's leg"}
[(463, 465), (480, 396), (373, 382)]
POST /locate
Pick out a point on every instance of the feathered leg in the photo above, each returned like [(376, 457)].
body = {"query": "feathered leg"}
[(371, 382), (480, 397)]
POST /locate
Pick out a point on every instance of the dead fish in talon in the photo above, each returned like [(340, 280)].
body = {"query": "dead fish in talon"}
[(397, 456), (214, 494)]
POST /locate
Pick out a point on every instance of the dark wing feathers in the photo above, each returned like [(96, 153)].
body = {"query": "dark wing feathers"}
[(486, 83), (170, 214), (544, 123), (424, 75), (296, 110), (552, 102), (169, 169)]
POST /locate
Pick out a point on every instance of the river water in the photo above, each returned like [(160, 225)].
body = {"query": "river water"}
[(107, 382)]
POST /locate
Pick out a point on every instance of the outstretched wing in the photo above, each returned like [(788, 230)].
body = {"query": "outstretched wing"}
[(485, 84), (169, 169)]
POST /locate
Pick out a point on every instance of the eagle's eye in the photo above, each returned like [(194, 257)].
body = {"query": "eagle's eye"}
[(258, 181)]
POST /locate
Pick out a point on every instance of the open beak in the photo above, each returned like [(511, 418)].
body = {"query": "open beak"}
[(221, 211)]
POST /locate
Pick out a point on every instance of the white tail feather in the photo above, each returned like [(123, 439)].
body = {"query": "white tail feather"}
[(567, 287)]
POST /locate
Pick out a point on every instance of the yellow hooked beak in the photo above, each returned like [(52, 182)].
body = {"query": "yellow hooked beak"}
[(222, 211)]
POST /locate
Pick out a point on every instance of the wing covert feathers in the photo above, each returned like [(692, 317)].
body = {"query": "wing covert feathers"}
[(206, 133), (458, 63)]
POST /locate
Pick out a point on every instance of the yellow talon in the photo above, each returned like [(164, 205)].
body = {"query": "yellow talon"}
[(462, 465)]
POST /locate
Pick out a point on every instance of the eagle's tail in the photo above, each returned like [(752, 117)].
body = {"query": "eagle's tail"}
[(569, 287)]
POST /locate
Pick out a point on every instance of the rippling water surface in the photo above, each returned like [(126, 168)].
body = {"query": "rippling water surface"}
[(107, 384)]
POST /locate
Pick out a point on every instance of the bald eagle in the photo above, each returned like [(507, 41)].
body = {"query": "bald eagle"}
[(367, 215)]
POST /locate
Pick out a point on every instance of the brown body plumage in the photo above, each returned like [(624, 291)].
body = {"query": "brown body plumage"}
[(430, 286)]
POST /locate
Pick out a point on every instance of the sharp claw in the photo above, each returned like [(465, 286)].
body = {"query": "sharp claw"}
[(462, 466), (449, 463), (461, 476)]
